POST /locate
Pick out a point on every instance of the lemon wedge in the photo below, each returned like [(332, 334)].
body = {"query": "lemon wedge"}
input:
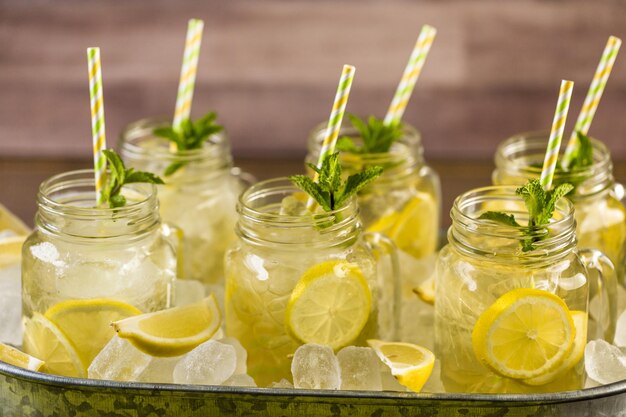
[(412, 229), (174, 331), (15, 357), (87, 323), (329, 305), (426, 290), (44, 340), (410, 364), (11, 250), (575, 356), (524, 334)]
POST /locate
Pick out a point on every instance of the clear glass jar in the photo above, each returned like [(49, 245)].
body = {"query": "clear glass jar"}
[(482, 262), (599, 213), (199, 198), (270, 257), (80, 252)]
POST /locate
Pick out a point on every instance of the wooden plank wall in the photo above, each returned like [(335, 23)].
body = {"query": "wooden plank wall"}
[(270, 69)]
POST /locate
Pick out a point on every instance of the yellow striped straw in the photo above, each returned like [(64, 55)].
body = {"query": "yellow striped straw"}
[(410, 75), (97, 120), (336, 117), (188, 73), (600, 78), (556, 134)]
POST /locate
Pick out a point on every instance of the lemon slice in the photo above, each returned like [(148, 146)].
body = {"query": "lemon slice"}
[(9, 221), (410, 364), (412, 229), (44, 340), (575, 356), (525, 334), (15, 357), (426, 291), (87, 323), (174, 331), (11, 250), (329, 305)]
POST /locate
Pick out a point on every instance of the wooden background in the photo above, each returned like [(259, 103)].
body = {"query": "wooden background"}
[(270, 69)]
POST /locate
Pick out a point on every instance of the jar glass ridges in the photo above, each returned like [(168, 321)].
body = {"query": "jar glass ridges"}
[(599, 213), (79, 252), (485, 261), (199, 198), (272, 254)]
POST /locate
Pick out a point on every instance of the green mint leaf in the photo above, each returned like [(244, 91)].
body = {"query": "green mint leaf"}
[(377, 137), (346, 144), (192, 135), (142, 176), (498, 216), (583, 156), (551, 198), (118, 175), (330, 173), (535, 197), (313, 189), (314, 168), (356, 182)]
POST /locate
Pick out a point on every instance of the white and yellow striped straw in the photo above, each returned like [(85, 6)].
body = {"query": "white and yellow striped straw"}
[(336, 117), (410, 75), (556, 134), (97, 120), (600, 78), (188, 73)]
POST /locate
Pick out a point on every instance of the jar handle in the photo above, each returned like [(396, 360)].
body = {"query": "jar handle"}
[(603, 279), (388, 277), (245, 178), (175, 237)]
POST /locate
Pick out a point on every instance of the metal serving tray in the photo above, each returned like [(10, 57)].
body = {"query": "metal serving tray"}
[(27, 393)]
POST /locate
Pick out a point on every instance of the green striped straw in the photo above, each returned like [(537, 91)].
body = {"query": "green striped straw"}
[(411, 74), (188, 73), (600, 78), (336, 117), (556, 134), (97, 120)]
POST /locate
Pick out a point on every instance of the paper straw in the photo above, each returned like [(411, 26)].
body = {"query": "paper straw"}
[(600, 78), (410, 75), (97, 120), (556, 134), (336, 117), (188, 73)]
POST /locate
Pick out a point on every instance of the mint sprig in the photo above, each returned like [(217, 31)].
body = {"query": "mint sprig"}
[(191, 136), (583, 155), (330, 191), (540, 205), (118, 176), (377, 137)]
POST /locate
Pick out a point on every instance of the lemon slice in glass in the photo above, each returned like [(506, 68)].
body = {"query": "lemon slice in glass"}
[(412, 229), (87, 323), (426, 291), (174, 331), (575, 356), (15, 357), (410, 364), (44, 340), (525, 334), (329, 305)]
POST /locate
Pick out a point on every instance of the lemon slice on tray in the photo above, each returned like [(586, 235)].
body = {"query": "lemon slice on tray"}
[(329, 305), (15, 357), (410, 364), (524, 334), (174, 331), (87, 323), (44, 340)]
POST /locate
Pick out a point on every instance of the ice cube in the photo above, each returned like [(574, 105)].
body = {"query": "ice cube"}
[(188, 291), (434, 384), (604, 362), (11, 305), (242, 354), (291, 206), (315, 367), (620, 331), (283, 383), (118, 361), (240, 380), (160, 370), (360, 369), (211, 363)]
